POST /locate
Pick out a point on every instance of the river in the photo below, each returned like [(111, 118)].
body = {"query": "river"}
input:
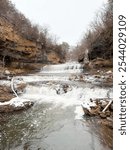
[(56, 121)]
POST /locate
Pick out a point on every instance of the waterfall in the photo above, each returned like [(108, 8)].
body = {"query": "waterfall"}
[(73, 67)]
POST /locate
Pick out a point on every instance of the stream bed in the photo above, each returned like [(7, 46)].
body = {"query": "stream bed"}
[(56, 121)]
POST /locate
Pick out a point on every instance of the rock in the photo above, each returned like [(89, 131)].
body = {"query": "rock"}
[(21, 87), (111, 107), (6, 94), (95, 111), (108, 113), (5, 98), (73, 77), (81, 77), (3, 77), (7, 108), (7, 72), (107, 123), (102, 77), (109, 72), (53, 57), (109, 119), (91, 108), (103, 115), (62, 89), (97, 76), (16, 48), (87, 112), (103, 104), (110, 125)]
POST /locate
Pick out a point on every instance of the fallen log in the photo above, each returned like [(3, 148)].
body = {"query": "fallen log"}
[(97, 108), (107, 106), (12, 87)]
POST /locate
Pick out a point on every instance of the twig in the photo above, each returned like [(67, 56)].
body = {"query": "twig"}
[(107, 105), (12, 87)]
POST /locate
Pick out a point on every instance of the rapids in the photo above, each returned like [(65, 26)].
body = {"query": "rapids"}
[(56, 121)]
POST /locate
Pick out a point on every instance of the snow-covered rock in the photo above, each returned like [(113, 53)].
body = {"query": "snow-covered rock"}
[(15, 104)]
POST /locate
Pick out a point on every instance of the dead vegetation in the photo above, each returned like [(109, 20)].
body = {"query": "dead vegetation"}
[(97, 42), (21, 41)]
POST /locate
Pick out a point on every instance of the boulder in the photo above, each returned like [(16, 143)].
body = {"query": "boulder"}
[(15, 104), (5, 93), (62, 89), (103, 115)]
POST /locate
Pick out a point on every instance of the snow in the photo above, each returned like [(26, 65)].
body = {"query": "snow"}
[(78, 113), (47, 92), (5, 82), (16, 102)]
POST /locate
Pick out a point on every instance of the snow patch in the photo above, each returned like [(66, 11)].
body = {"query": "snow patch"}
[(79, 113), (16, 102)]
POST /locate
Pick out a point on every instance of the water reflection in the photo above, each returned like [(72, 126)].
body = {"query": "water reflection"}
[(47, 127)]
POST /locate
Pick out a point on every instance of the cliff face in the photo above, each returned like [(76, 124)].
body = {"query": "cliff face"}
[(13, 47)]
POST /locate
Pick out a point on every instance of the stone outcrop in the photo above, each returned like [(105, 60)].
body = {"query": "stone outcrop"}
[(98, 63), (5, 94), (11, 108), (102, 108), (15, 48)]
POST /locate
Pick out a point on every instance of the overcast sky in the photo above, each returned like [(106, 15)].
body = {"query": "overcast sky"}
[(68, 19)]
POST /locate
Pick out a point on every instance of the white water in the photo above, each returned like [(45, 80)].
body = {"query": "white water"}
[(55, 122), (47, 93), (56, 76), (43, 86), (63, 68)]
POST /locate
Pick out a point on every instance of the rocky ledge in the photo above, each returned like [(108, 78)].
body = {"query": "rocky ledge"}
[(9, 101), (15, 104), (103, 108)]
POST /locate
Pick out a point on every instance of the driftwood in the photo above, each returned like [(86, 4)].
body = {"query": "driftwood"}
[(98, 109), (107, 106), (12, 87), (15, 104)]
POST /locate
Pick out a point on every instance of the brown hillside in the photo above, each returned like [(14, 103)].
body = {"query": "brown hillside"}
[(13, 47)]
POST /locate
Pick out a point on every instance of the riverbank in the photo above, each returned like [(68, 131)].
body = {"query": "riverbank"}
[(6, 91), (103, 72)]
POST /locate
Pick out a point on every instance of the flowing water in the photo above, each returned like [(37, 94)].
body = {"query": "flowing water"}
[(56, 121)]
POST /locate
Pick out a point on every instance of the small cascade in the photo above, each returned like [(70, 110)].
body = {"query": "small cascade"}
[(57, 94), (62, 94), (63, 68)]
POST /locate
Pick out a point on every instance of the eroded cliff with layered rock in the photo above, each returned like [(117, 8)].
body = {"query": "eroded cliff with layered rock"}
[(16, 50), (13, 46)]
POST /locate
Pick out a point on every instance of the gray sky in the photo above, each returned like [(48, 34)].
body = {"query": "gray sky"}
[(68, 19)]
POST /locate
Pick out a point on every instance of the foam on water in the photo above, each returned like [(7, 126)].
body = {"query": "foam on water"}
[(63, 68), (40, 91), (47, 93), (57, 106)]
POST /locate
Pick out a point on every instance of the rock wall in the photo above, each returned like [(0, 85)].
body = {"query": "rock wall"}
[(13, 47)]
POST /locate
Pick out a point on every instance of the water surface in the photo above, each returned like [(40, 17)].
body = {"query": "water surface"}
[(56, 120)]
